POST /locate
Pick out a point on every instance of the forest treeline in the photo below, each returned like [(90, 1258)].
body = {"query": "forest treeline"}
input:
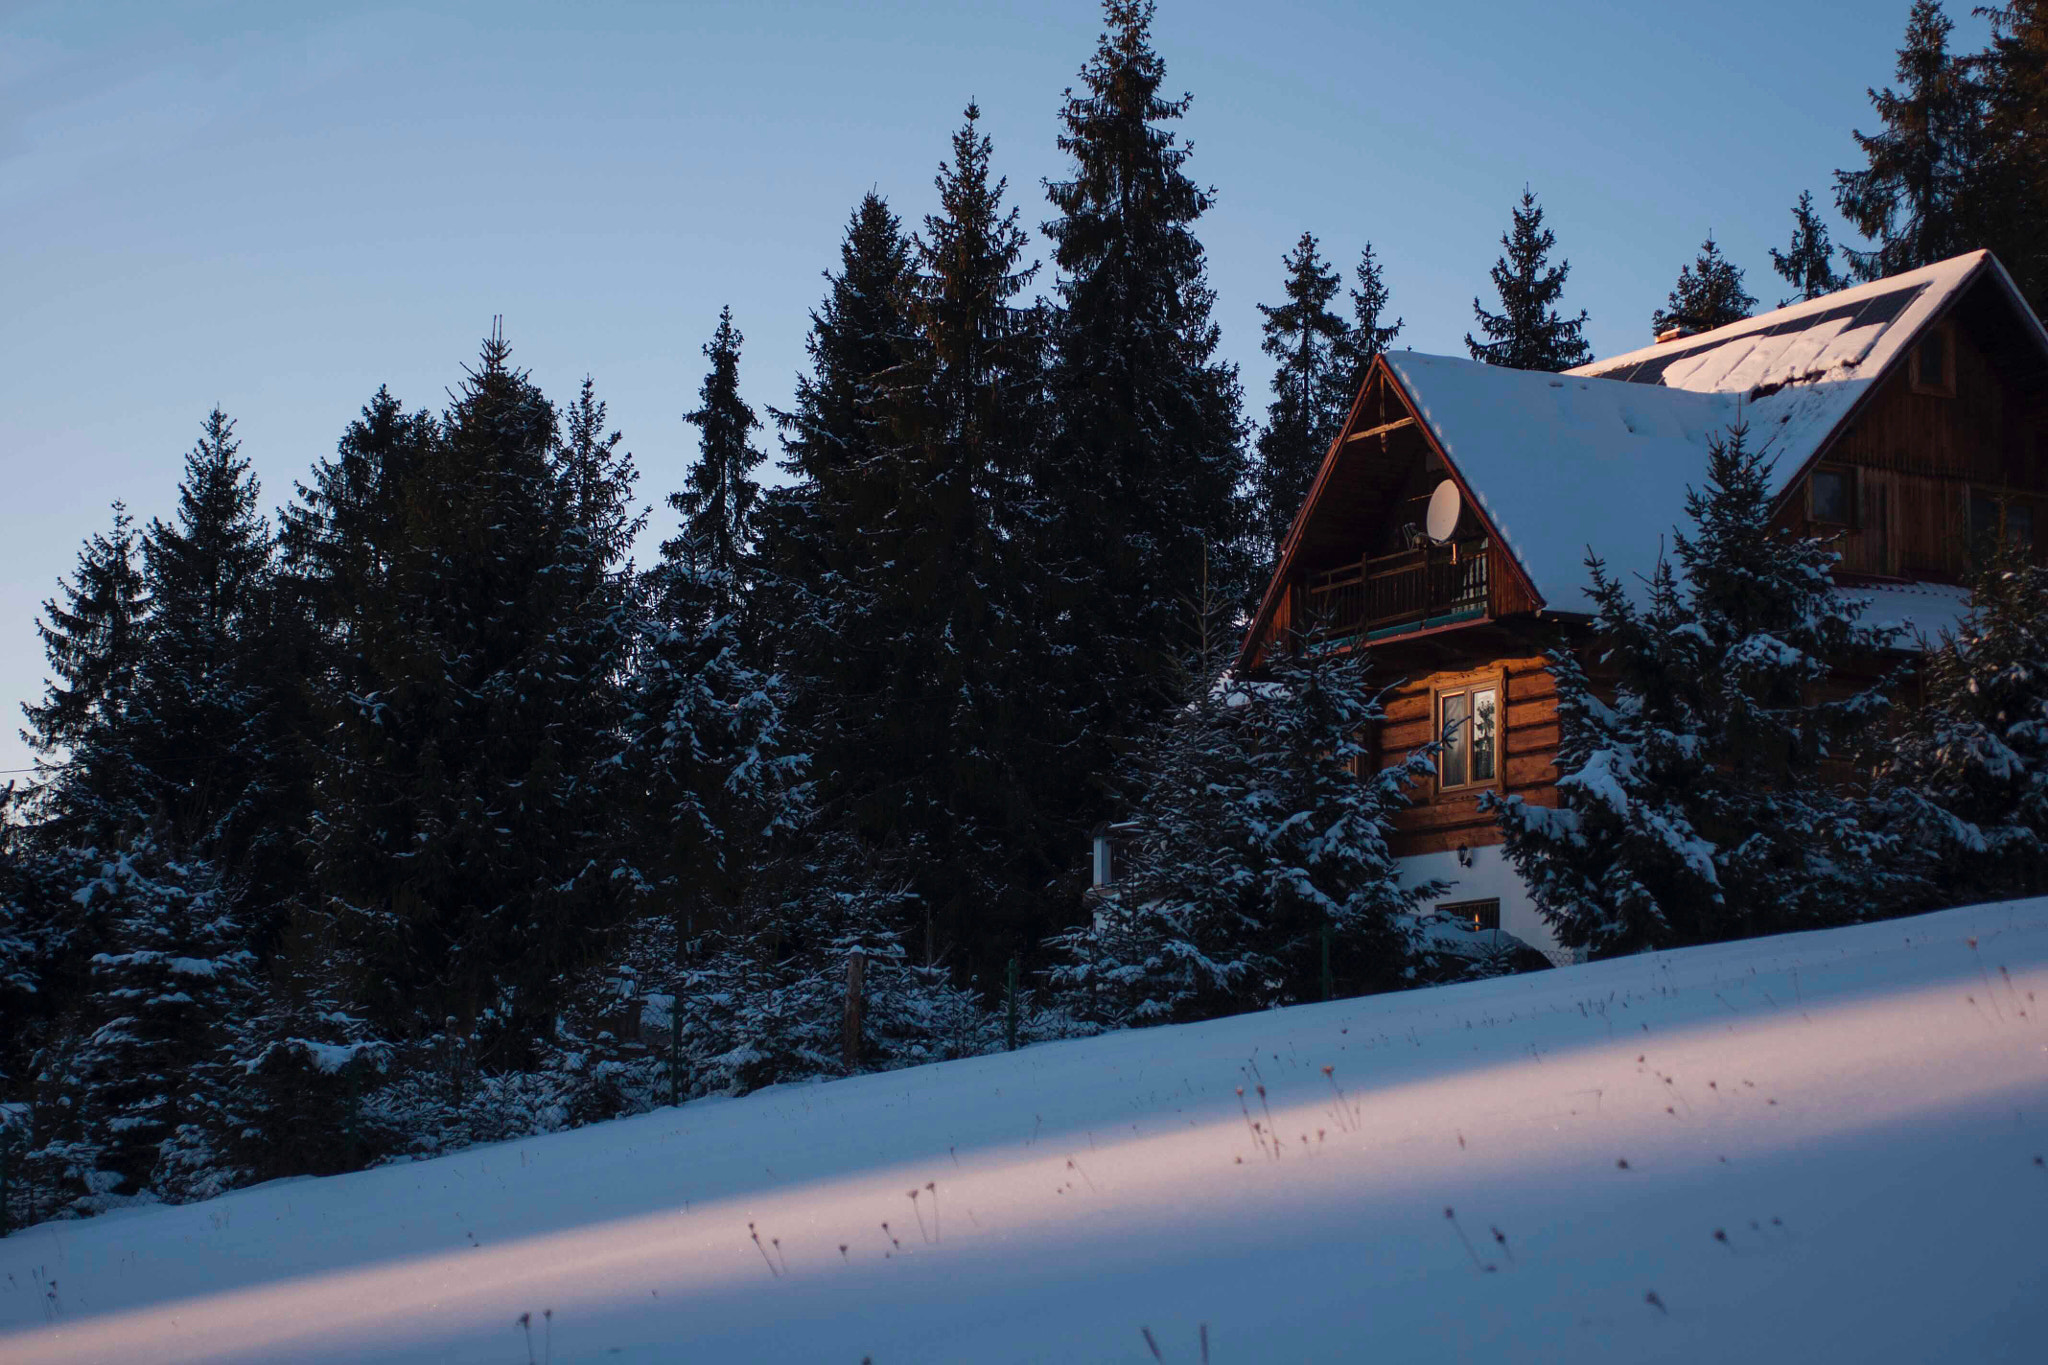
[(418, 813)]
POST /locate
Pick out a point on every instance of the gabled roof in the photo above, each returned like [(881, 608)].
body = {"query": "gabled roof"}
[(1560, 463), (1803, 370), (1602, 456)]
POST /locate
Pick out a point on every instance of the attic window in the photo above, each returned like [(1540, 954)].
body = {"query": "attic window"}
[(1831, 496), (1934, 363)]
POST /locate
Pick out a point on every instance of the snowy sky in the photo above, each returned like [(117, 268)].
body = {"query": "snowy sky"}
[(278, 208)]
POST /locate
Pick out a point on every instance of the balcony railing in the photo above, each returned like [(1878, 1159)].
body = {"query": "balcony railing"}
[(1432, 585)]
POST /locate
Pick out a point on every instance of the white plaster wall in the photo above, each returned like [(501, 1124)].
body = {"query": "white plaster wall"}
[(1490, 875)]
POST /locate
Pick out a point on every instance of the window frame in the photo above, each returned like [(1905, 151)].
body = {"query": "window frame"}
[(1471, 914), (1854, 499), (1465, 684), (1945, 385)]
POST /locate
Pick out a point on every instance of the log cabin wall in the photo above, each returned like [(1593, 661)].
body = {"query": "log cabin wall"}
[(1440, 823)]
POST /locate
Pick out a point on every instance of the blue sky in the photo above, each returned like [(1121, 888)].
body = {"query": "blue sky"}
[(278, 208)]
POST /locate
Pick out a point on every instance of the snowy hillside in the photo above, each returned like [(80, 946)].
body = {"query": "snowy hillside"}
[(1821, 1147)]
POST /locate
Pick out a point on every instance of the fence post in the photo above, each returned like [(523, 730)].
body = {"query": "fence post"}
[(1329, 986), (6, 1143), (856, 973), (1011, 1029)]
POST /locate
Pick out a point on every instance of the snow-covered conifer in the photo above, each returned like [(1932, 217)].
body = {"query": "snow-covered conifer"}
[(1703, 775), (1253, 835), (1968, 778)]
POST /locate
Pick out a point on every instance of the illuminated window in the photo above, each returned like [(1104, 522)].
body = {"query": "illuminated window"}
[(1468, 720), (1474, 915)]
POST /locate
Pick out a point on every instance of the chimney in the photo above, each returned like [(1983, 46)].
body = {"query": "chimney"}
[(1673, 334)]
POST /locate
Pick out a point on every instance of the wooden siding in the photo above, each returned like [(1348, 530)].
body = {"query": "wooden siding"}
[(1918, 456), (1438, 824)]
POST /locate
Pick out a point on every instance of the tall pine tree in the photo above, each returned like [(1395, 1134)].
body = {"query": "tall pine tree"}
[(1914, 199), (718, 504), (1708, 294), (2013, 194), (1145, 472), (945, 734), (1808, 262), (472, 669), (219, 731), (1312, 388), (1529, 332), (1371, 335), (89, 783)]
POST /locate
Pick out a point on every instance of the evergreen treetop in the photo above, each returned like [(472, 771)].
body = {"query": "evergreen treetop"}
[(1968, 775), (1145, 470), (93, 635), (1370, 335), (1913, 199), (1808, 263), (1695, 807), (2013, 75), (1312, 387), (1708, 294), (717, 504), (1529, 333)]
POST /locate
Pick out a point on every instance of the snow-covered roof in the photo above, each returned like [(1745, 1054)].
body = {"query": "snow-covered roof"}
[(1563, 462), (1926, 611), (1602, 455), (1800, 370)]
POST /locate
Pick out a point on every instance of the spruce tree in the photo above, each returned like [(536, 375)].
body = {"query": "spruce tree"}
[(216, 734), (1370, 335), (1255, 843), (718, 504), (89, 783), (173, 970), (815, 552), (1143, 477), (1967, 779), (1808, 263), (945, 735), (473, 656), (2013, 190), (1914, 198), (1529, 333), (1708, 294), (1695, 806), (1312, 388)]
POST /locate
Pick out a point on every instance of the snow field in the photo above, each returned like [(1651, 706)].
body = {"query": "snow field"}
[(1821, 1146)]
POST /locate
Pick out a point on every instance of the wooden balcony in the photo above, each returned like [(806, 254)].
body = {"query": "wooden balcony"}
[(1419, 589)]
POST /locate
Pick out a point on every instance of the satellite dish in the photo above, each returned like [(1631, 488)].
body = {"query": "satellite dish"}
[(1444, 506)]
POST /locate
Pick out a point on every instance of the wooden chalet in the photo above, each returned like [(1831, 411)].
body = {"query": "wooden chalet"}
[(1448, 527)]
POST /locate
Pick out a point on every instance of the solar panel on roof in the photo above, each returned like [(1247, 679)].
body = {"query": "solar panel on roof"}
[(1877, 309)]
